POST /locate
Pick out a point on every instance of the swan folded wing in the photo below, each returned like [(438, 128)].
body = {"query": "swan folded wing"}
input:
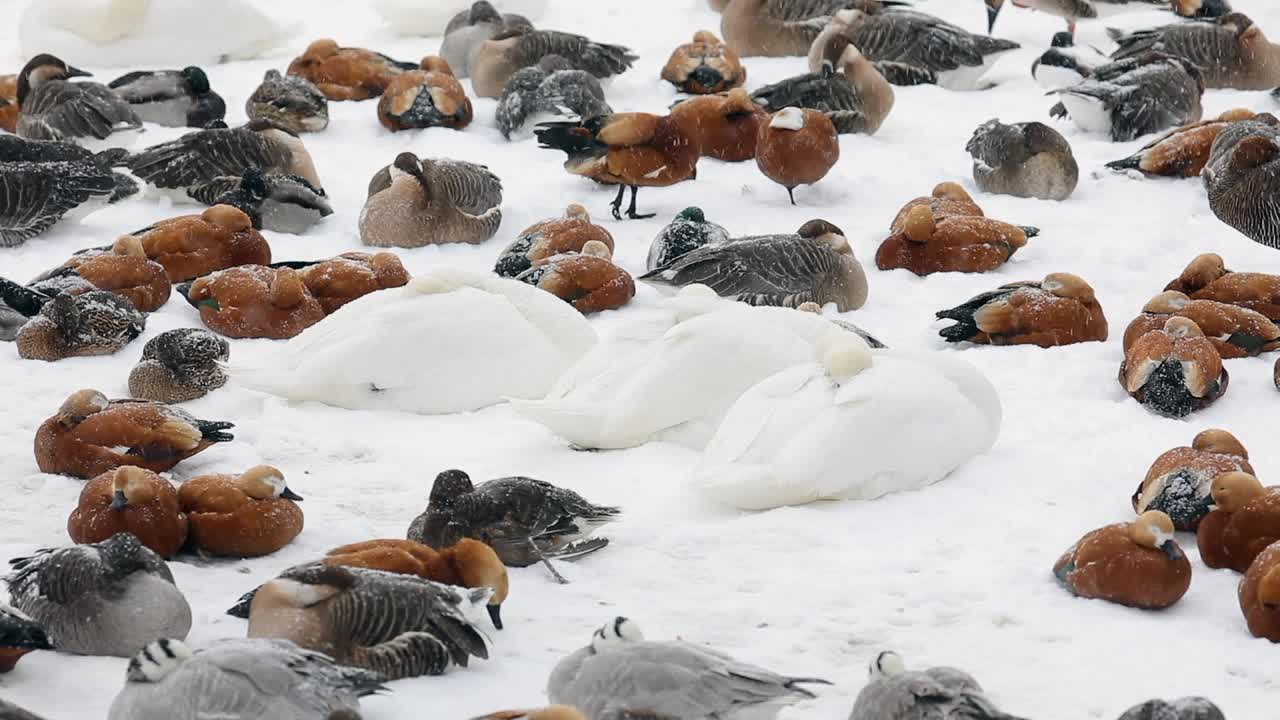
[(202, 156)]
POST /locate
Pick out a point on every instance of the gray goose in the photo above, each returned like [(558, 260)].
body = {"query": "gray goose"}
[(498, 58), (51, 107), (273, 201), (236, 678), (1243, 180), (108, 598), (173, 98), (397, 625), (43, 182), (939, 693), (290, 102), (813, 265), (1027, 159), (1134, 96), (415, 202), (471, 28), (550, 90), (206, 155), (1230, 52), (179, 365)]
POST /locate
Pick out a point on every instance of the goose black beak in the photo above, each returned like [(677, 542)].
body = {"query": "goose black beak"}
[(119, 501), (77, 72), (495, 614), (288, 494)]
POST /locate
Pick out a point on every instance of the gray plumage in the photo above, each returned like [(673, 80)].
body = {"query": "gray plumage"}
[(397, 625), (1188, 708), (688, 231), (939, 693), (600, 59), (470, 28), (922, 40), (242, 679), (9, 711), (415, 202), (1135, 96), (108, 598), (552, 90), (523, 519), (1217, 48), (1027, 159), (180, 365), (173, 98), (273, 201), (620, 675), (1242, 178), (18, 304), (55, 108), (289, 101), (205, 155), (19, 632), (41, 182), (93, 323), (832, 93)]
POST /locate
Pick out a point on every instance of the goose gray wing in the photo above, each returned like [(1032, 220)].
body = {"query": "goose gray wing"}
[(57, 110), (311, 681), (577, 91), (473, 188), (211, 191), (907, 696), (518, 99), (599, 59), (769, 268), (922, 40), (201, 156), (1204, 44), (34, 196), (793, 10), (825, 91)]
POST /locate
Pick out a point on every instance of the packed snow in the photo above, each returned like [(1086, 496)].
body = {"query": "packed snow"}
[(957, 573)]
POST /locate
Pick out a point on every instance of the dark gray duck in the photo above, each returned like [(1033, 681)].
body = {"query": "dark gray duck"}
[(273, 201), (1027, 159), (550, 90), (54, 108), (688, 231), (470, 28), (1230, 51), (107, 598), (291, 102), (1242, 178), (173, 98), (397, 625), (496, 60), (179, 365), (1187, 708), (939, 693), (1134, 96), (524, 520), (93, 323)]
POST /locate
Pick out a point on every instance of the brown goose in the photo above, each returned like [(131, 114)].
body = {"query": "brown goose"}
[(813, 265), (1230, 52), (397, 625), (1027, 159), (493, 64), (51, 107), (1134, 96), (415, 202), (1243, 180)]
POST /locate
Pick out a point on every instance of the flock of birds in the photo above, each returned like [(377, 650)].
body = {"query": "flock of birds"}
[(805, 413)]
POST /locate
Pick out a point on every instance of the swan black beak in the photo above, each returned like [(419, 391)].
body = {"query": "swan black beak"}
[(119, 501), (495, 614)]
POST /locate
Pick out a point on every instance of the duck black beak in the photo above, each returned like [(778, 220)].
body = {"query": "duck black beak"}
[(288, 494), (495, 614), (77, 72), (1171, 549), (993, 12), (706, 76), (119, 501)]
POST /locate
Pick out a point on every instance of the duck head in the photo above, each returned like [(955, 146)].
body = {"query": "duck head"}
[(43, 68), (1166, 303), (262, 482), (80, 405), (919, 225), (130, 245), (254, 182), (1154, 529), (951, 191), (789, 118), (611, 635), (1215, 440), (155, 661), (132, 486), (196, 79), (479, 566), (691, 214), (227, 217), (449, 485), (1232, 491), (1269, 589), (1067, 285)]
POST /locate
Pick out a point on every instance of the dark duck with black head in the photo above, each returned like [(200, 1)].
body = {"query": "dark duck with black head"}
[(1066, 63), (173, 98), (275, 201), (52, 107)]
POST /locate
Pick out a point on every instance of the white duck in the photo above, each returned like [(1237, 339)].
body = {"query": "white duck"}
[(673, 378), (449, 341), (856, 425), (429, 19), (116, 33)]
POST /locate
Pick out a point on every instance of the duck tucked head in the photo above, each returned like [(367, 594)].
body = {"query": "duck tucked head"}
[(321, 49), (1067, 285), (409, 164), (951, 191), (1203, 270), (1154, 529), (129, 245), (155, 661), (227, 217), (788, 119), (479, 566), (1062, 40), (1215, 440), (196, 79), (448, 486), (1231, 491), (885, 664), (263, 481), (41, 69), (1167, 302), (1181, 327), (81, 404), (611, 635), (131, 486), (577, 212), (254, 182), (595, 248), (1269, 589), (825, 232), (919, 224)]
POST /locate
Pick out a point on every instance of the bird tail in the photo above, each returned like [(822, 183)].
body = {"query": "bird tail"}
[(241, 608), (793, 684), (575, 139), (23, 299), (1133, 162), (1029, 230), (213, 431), (576, 550)]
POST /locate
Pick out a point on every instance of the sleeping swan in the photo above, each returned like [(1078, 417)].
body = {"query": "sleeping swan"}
[(429, 18), (855, 425), (673, 378), (449, 341), (114, 33)]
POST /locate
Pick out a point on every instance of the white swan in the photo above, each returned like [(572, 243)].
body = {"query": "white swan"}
[(674, 378), (857, 425), (428, 18), (449, 341), (115, 33)]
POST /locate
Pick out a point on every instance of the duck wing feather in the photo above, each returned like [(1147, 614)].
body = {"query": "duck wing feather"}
[(59, 109), (201, 156)]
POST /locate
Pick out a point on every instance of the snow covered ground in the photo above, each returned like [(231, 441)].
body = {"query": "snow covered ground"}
[(959, 573)]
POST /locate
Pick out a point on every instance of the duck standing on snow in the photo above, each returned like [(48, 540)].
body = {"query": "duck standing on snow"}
[(371, 355), (93, 323), (815, 264), (109, 598), (551, 237), (415, 202), (254, 301), (241, 679), (470, 29), (704, 67), (1235, 332), (1027, 159), (687, 231), (429, 97), (248, 515), (760, 456), (1059, 310), (614, 673), (525, 520), (275, 201), (344, 73), (130, 500), (396, 625), (1207, 278), (173, 98), (1138, 564), (192, 246), (42, 183), (19, 635), (1184, 151), (1230, 52), (726, 127), (51, 107), (497, 59), (1245, 521), (1134, 97), (1242, 178), (1174, 370), (588, 279), (953, 244), (894, 693), (290, 102), (179, 365), (798, 146), (1066, 63), (550, 90), (1180, 481)]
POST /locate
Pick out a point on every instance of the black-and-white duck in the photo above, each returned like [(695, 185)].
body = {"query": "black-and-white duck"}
[(52, 107), (1066, 63), (273, 201), (173, 98), (1133, 97)]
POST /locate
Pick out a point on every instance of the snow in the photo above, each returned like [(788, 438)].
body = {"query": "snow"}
[(958, 573)]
